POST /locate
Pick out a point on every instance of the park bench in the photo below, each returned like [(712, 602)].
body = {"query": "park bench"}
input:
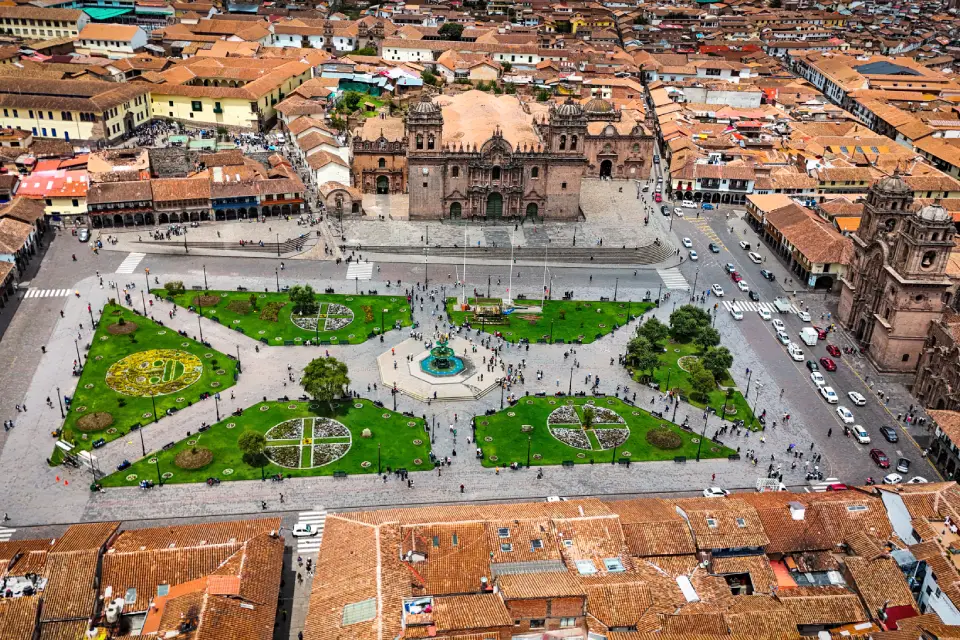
[(339, 474)]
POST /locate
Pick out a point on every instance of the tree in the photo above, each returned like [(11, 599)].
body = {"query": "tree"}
[(507, 67), (325, 378), (304, 299), (728, 399), (509, 88), (450, 31), (588, 415), (642, 355), (717, 360), (654, 331), (253, 300), (338, 123), (543, 95), (776, 4), (686, 322), (702, 381), (351, 100), (252, 445), (366, 51), (429, 78), (706, 338)]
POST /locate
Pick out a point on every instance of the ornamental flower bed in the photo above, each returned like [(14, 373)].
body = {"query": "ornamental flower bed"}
[(610, 438), (327, 428), (564, 415), (572, 437), (327, 452), (602, 415), (334, 309), (288, 456), (334, 324), (289, 430)]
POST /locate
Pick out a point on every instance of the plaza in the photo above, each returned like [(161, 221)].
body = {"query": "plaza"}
[(403, 367)]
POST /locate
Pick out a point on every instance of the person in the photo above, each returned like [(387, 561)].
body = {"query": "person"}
[(461, 491)]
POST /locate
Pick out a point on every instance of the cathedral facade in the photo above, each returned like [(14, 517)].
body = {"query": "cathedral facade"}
[(897, 286)]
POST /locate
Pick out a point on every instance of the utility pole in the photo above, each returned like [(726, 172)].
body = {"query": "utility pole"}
[(60, 402)]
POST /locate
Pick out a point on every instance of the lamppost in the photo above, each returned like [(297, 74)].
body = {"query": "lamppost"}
[(143, 299), (143, 446), (676, 405), (616, 285), (488, 285), (378, 458), (205, 278), (60, 402), (156, 460), (278, 245), (756, 398), (613, 458), (216, 403), (570, 388), (693, 292), (90, 311), (529, 440), (79, 359), (239, 368), (185, 249), (277, 271), (502, 385), (146, 277), (201, 329), (433, 429), (153, 401), (749, 377), (394, 398), (426, 268), (703, 434)]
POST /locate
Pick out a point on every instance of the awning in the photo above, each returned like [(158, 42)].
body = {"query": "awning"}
[(98, 13)]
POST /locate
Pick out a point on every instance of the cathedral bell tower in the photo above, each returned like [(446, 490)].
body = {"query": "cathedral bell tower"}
[(425, 162)]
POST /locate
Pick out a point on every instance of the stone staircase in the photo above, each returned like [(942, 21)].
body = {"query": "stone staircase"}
[(652, 253)]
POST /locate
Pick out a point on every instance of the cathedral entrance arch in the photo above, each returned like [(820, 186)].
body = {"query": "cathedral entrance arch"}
[(861, 329), (494, 205), (606, 169), (456, 210), (383, 185)]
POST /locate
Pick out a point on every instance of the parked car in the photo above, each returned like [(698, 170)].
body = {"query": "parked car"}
[(829, 395), (707, 206), (657, 197), (714, 248), (880, 458), (821, 333), (665, 210), (83, 234), (755, 258), (856, 398), (903, 465), (889, 433), (828, 364), (689, 204), (715, 492), (833, 350), (917, 480), (861, 434), (844, 414), (892, 478), (768, 275)]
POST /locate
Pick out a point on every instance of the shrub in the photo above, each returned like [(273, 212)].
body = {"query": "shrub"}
[(367, 312), (663, 438), (366, 433), (174, 286), (271, 311)]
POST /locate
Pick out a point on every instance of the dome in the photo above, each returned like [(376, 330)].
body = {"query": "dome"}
[(894, 184), (598, 105), (569, 109), (934, 213), (425, 106)]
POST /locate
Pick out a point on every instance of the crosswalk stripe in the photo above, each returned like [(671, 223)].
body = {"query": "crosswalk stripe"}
[(360, 271), (46, 293), (673, 279), (317, 519), (744, 305), (6, 534), (130, 262)]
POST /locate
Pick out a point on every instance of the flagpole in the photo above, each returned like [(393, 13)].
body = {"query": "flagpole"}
[(543, 295)]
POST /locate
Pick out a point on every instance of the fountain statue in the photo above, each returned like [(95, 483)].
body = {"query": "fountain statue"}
[(442, 361)]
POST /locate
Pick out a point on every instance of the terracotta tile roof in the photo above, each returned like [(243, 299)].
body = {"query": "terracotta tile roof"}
[(70, 592), (723, 524), (176, 189), (119, 192), (672, 565), (813, 237), (842, 514), (694, 624), (118, 32), (761, 617), (651, 527), (822, 605), (761, 573), (880, 583), (540, 585), (478, 611), (591, 539), (26, 210), (949, 423), (787, 534), (618, 605), (66, 630), (18, 617), (84, 537)]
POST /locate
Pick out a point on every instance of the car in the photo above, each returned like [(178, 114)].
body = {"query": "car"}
[(707, 206), (714, 247), (778, 325), (903, 465), (783, 338), (743, 286), (861, 434), (657, 197), (837, 486), (818, 378), (665, 210), (99, 443), (656, 159), (678, 212), (767, 275), (795, 351), (889, 433), (693, 255), (764, 314), (717, 290), (812, 365), (856, 398), (917, 480), (715, 492), (753, 295), (730, 267), (745, 245), (736, 313), (687, 243), (123, 465), (821, 333), (804, 316), (83, 234), (828, 364), (892, 478), (645, 188), (755, 257), (833, 350), (736, 277), (301, 530), (880, 458), (689, 204), (844, 414), (829, 395)]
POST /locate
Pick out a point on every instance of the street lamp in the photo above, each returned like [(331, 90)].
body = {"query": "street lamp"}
[(702, 435), (277, 271), (60, 402), (693, 292), (216, 403), (502, 385), (90, 310), (146, 277), (570, 388), (756, 398), (426, 268), (153, 400), (143, 446), (156, 460), (433, 430), (205, 278), (378, 458), (239, 368), (143, 299), (616, 285), (201, 329), (278, 245), (529, 440), (79, 359)]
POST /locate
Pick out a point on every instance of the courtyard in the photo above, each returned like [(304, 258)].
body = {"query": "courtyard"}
[(303, 438), (583, 430), (270, 318), (134, 372)]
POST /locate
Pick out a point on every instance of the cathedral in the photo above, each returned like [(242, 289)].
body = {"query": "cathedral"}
[(898, 283)]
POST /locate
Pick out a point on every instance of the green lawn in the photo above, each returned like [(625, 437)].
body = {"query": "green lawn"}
[(504, 435), (273, 322), (103, 408), (671, 373), (294, 444), (560, 320)]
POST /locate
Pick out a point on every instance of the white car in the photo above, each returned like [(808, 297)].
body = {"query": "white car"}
[(861, 434), (783, 338), (803, 315), (693, 255), (844, 414), (892, 478), (778, 325), (717, 290), (743, 286), (763, 313), (715, 492), (689, 204), (917, 480), (818, 378), (795, 352), (744, 244), (829, 395), (856, 398), (736, 313), (755, 257), (304, 530), (687, 242), (678, 211)]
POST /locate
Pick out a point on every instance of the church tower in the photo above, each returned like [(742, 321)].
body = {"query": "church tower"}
[(424, 158)]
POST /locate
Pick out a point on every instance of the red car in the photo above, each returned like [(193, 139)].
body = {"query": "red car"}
[(828, 364), (880, 458), (657, 197), (735, 275), (833, 350), (821, 333)]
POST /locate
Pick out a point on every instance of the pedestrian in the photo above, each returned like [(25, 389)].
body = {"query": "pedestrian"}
[(281, 498), (713, 478), (829, 432), (461, 488), (811, 446)]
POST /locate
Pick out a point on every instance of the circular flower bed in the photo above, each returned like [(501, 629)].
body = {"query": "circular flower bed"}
[(146, 414), (365, 464), (221, 372), (386, 416), (89, 385), (98, 358), (161, 333), (205, 301), (417, 461), (291, 406), (485, 423), (181, 399), (529, 401), (81, 409), (264, 408), (104, 338), (417, 442), (131, 477), (581, 455), (193, 458), (625, 454), (152, 460), (231, 425), (686, 362), (663, 438), (154, 372), (610, 438), (228, 472), (208, 355), (191, 442), (493, 458), (511, 414), (184, 344), (215, 384), (411, 424), (167, 475), (118, 329), (288, 430), (537, 456), (488, 439), (111, 430), (327, 428), (695, 440), (359, 405), (575, 438)]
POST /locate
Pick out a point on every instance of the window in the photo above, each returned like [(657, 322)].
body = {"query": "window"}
[(50, 115), (382, 163), (163, 589), (563, 142), (573, 143), (44, 131), (567, 622), (568, 543), (170, 103), (49, 202), (536, 544), (495, 173), (856, 507), (15, 114), (455, 540), (419, 142), (455, 172), (31, 115), (586, 567), (537, 623), (503, 532), (196, 105), (741, 523), (430, 142), (40, 113), (905, 358), (436, 541), (613, 565), (76, 202), (563, 185), (535, 172), (506, 547), (711, 523), (131, 596)]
